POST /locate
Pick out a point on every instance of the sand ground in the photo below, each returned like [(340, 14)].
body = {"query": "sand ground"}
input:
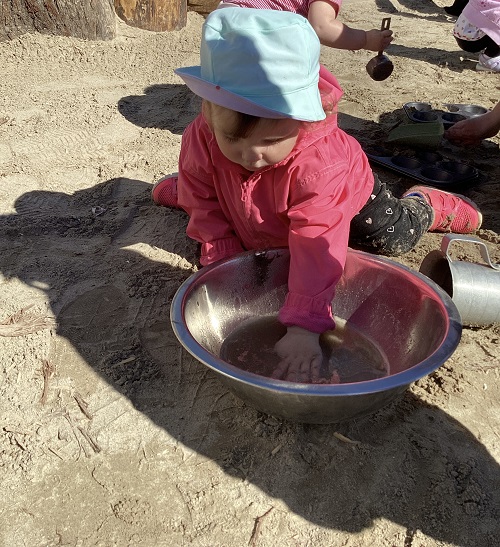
[(110, 433)]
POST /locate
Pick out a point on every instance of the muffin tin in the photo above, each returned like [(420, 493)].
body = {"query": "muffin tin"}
[(430, 168), (424, 112)]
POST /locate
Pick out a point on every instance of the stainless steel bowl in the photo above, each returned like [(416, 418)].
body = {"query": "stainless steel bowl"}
[(412, 320)]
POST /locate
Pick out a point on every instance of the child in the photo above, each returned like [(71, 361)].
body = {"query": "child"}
[(322, 14), (477, 29), (265, 166)]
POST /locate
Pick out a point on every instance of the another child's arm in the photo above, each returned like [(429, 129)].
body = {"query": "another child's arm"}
[(474, 130), (333, 33)]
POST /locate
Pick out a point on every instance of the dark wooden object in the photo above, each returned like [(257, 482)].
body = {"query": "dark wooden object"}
[(87, 19), (203, 7), (156, 15)]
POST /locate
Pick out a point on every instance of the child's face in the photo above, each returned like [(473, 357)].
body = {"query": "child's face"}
[(269, 142)]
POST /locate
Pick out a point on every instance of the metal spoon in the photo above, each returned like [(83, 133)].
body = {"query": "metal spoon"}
[(380, 67)]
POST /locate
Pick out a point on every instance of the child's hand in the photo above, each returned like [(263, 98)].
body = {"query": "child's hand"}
[(378, 40), (472, 131), (300, 355)]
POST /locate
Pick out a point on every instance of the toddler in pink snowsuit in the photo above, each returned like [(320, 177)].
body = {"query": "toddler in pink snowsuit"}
[(265, 165)]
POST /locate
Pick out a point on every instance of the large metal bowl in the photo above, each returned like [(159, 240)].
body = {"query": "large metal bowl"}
[(413, 321)]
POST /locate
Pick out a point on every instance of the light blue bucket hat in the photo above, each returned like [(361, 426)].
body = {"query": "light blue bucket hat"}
[(259, 62)]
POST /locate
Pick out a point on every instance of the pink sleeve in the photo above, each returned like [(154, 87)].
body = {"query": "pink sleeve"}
[(197, 196), (320, 216)]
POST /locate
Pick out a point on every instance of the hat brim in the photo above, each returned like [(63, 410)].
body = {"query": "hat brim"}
[(222, 97)]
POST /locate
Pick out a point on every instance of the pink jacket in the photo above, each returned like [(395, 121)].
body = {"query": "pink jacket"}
[(305, 202), (485, 15)]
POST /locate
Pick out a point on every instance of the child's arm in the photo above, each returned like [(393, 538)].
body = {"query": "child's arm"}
[(473, 130), (322, 198), (207, 222), (333, 33), (197, 196)]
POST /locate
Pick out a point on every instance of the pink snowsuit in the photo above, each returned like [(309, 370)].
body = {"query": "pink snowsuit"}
[(305, 202)]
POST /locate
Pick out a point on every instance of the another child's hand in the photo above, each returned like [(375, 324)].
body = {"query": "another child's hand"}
[(300, 355), (472, 131), (378, 40)]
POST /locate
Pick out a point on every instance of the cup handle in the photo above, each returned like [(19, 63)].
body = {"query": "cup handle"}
[(448, 239)]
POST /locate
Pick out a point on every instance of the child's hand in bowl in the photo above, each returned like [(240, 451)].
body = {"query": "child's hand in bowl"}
[(300, 354)]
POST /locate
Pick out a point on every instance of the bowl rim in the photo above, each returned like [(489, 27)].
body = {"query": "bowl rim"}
[(451, 340)]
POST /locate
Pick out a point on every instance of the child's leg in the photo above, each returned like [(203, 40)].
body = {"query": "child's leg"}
[(492, 49), (474, 46), (469, 37), (388, 225), (394, 226)]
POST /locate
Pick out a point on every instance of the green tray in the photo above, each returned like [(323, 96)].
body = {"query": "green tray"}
[(425, 135)]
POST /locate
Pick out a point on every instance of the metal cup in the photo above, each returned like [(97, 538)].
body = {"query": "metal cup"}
[(474, 288)]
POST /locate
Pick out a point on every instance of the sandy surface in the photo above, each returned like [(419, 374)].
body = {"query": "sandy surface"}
[(129, 440)]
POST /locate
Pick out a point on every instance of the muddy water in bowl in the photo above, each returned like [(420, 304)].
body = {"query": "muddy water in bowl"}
[(348, 354)]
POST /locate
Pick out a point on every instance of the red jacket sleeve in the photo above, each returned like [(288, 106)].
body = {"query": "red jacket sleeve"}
[(197, 196), (320, 215)]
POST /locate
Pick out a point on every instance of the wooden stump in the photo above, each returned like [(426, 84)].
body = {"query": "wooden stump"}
[(203, 7), (87, 19), (156, 15)]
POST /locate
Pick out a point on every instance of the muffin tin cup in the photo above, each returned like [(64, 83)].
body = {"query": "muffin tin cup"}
[(430, 168), (424, 112)]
